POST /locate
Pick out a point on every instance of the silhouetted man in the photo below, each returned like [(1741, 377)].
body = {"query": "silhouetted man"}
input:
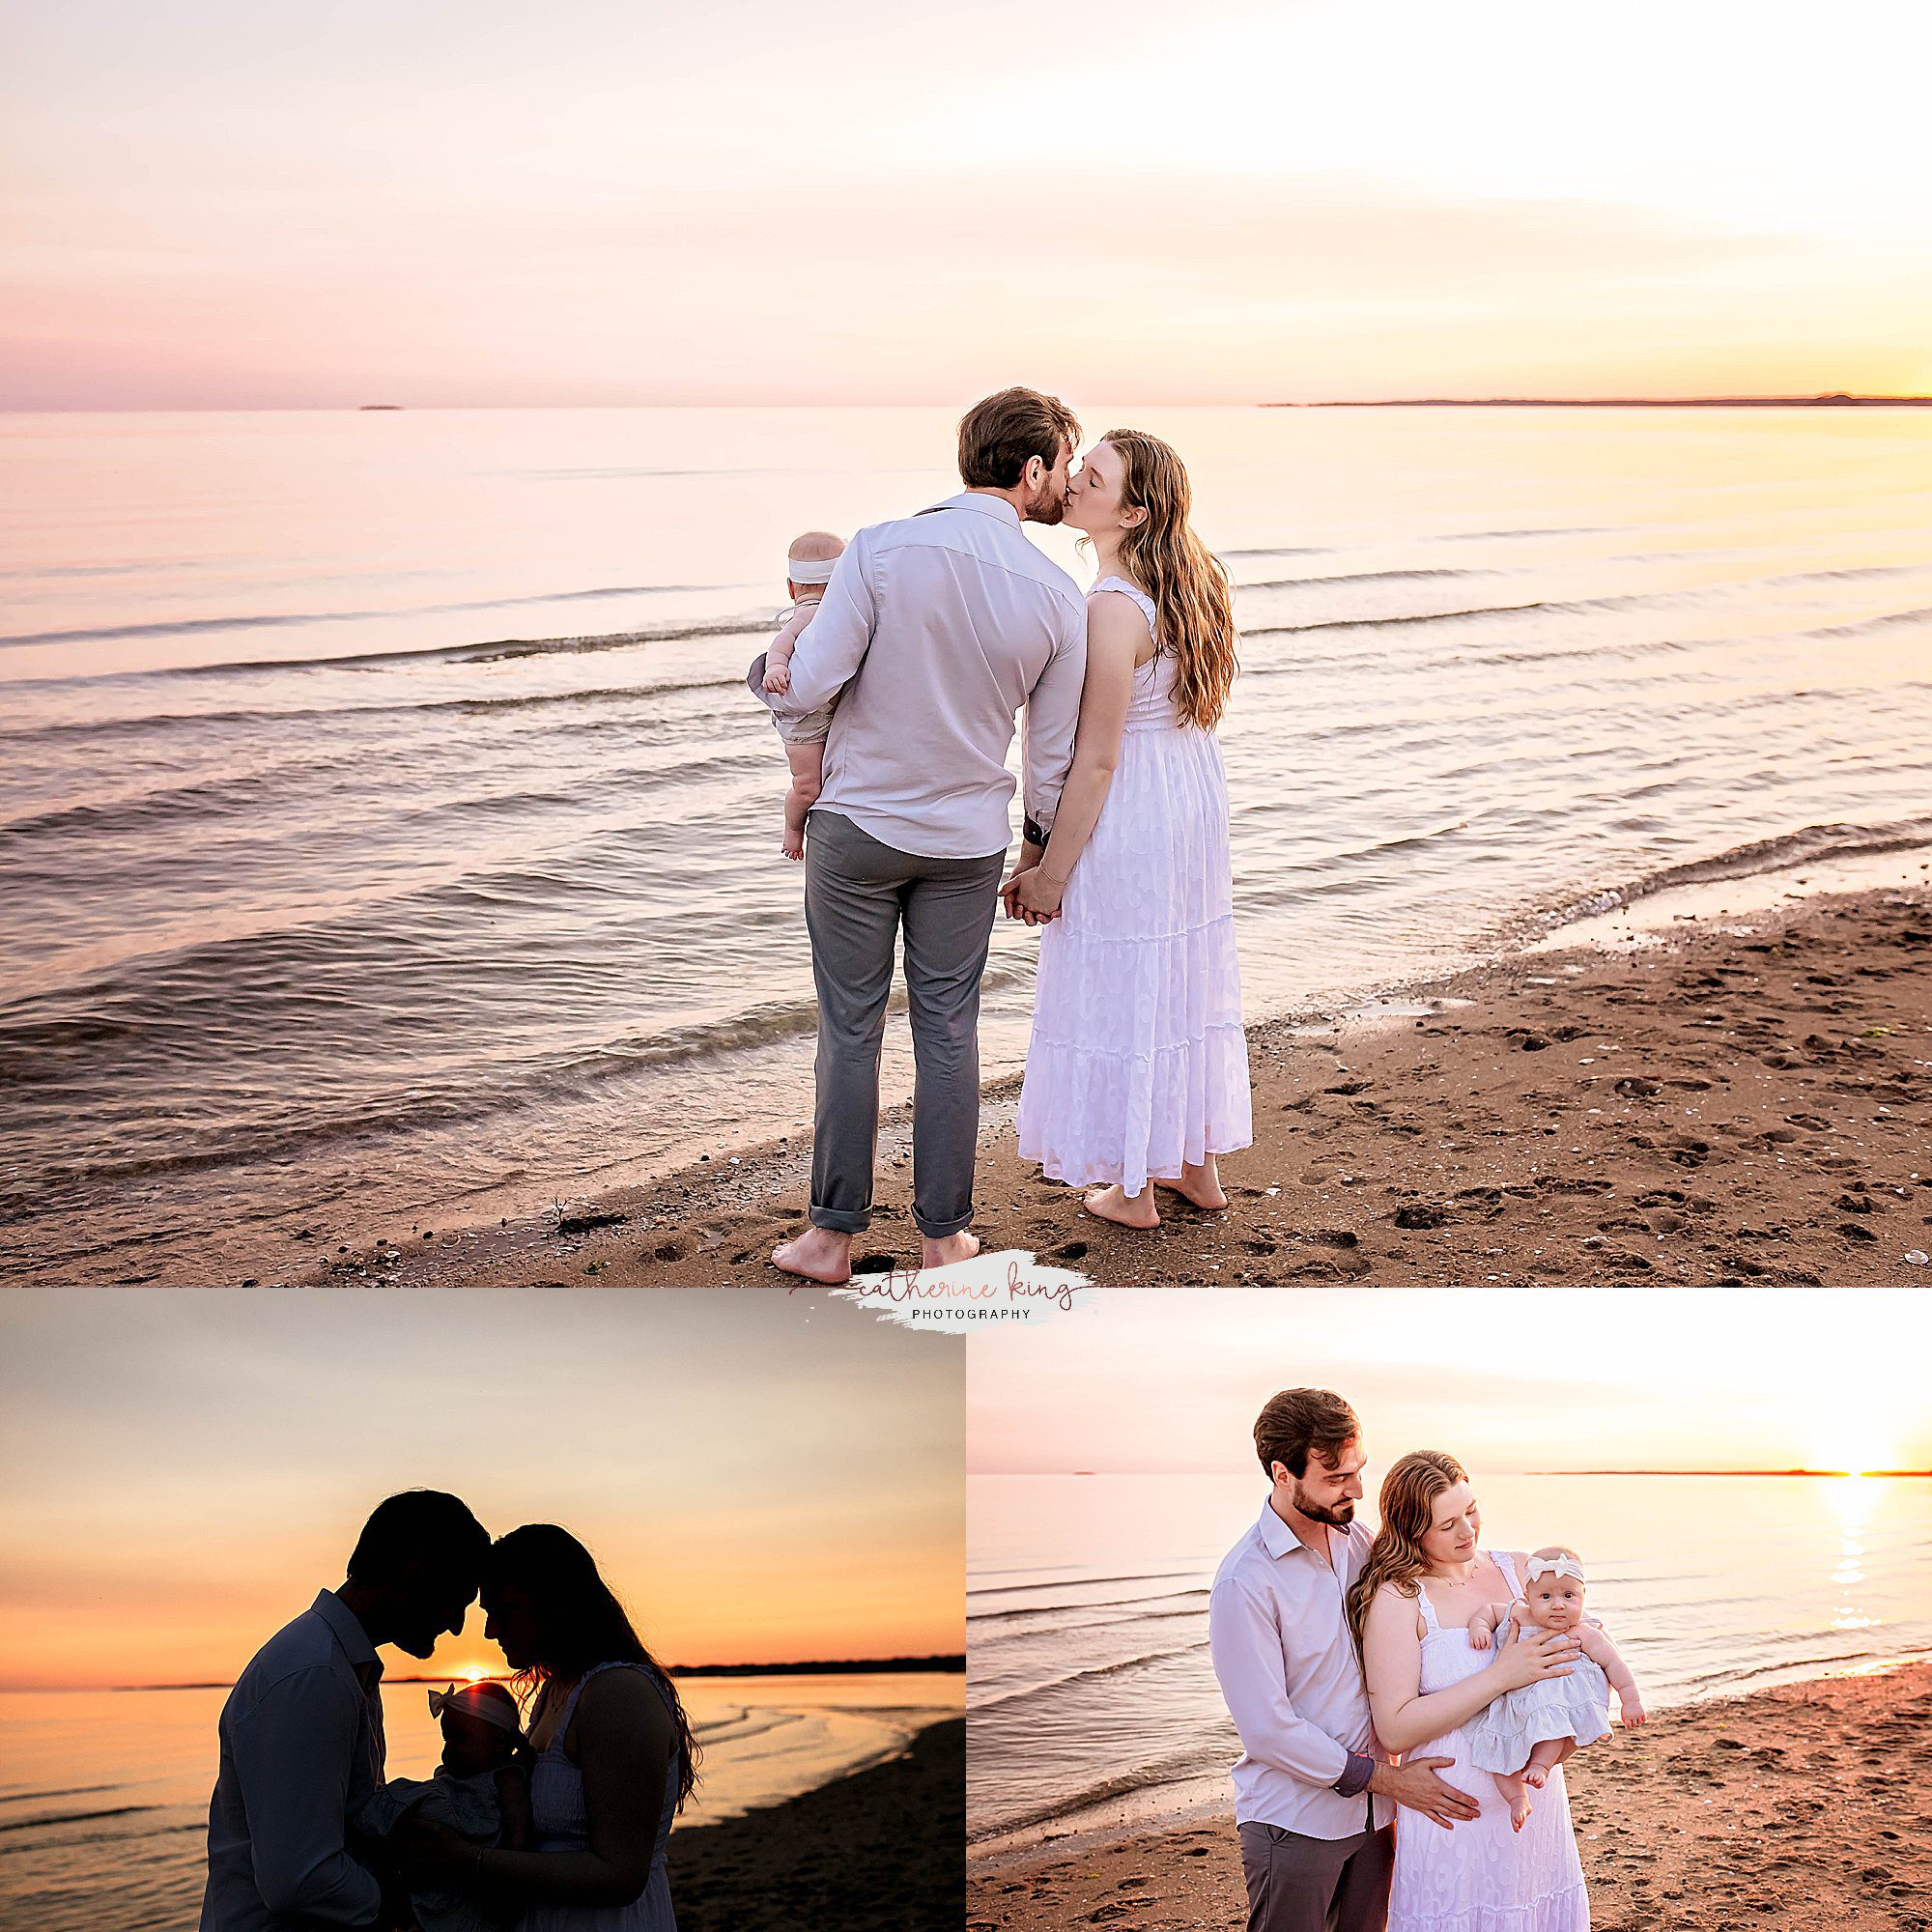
[(301, 1732)]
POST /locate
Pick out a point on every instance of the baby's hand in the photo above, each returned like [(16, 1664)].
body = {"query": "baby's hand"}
[(1479, 1636), (1633, 1713), (778, 676)]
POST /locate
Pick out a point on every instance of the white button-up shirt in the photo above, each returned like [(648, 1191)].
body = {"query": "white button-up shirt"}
[(933, 633), (301, 1748), (1278, 1631)]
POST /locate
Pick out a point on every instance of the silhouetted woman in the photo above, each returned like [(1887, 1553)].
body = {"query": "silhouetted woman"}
[(615, 1759)]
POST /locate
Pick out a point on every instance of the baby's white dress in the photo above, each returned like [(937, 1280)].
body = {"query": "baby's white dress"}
[(1576, 1706)]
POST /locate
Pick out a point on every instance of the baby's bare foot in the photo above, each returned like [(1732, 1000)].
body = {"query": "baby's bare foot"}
[(1126, 1211), (794, 843), (1535, 1776)]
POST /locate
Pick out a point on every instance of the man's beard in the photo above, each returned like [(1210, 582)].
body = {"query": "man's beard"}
[(1049, 505), (1339, 1515)]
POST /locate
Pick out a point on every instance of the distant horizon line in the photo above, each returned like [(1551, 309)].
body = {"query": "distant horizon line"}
[(1821, 398), (1908, 1475), (938, 1665)]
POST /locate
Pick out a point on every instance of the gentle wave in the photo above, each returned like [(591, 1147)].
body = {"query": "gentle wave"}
[(263, 620), (1210, 1756), (1128, 1666), (499, 650), (75, 1817), (1808, 846)]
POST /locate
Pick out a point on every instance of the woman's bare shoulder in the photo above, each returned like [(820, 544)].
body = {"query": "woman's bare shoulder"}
[(622, 1700)]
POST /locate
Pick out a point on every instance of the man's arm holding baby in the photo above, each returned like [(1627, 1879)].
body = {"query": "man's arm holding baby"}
[(831, 644), (1603, 1653)]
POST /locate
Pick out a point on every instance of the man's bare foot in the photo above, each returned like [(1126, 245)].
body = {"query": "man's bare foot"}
[(819, 1254), (949, 1249), (1199, 1185), (1127, 1210)]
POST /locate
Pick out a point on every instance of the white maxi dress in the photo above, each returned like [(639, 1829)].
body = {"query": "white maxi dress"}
[(1138, 1062)]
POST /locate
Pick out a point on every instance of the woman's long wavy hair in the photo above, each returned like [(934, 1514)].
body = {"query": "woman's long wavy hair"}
[(1186, 581), (1407, 1503), (582, 1623)]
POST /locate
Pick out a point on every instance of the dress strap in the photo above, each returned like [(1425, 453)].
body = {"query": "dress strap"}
[(1427, 1608), (1507, 1564), (1140, 597)]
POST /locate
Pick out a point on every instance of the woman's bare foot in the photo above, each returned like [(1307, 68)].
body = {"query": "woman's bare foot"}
[(1199, 1185), (819, 1254), (1127, 1210), (949, 1249)]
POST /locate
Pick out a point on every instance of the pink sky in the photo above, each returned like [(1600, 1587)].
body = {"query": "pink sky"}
[(227, 206)]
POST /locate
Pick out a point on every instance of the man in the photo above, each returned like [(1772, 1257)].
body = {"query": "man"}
[(301, 1732), (1314, 1797), (933, 633)]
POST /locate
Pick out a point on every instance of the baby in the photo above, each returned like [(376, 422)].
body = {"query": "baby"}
[(480, 1792), (1526, 1732), (807, 570)]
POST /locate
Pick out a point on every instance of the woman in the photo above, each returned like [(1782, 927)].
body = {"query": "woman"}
[(1137, 1067), (1424, 1579), (614, 1755)]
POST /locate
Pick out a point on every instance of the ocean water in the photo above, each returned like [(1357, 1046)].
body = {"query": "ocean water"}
[(103, 1795), (385, 837), (1091, 1702)]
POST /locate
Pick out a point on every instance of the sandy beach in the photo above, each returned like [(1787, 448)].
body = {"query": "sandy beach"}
[(1804, 1807), (878, 1852), (1726, 1105)]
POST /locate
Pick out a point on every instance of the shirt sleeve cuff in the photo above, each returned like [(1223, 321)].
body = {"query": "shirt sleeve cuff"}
[(1355, 1781)]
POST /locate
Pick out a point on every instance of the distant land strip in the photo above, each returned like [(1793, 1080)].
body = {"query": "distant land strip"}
[(863, 1666), (1837, 401), (1861, 1474)]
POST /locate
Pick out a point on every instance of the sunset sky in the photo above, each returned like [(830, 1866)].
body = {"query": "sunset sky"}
[(1152, 1380), (229, 205), (182, 1472)]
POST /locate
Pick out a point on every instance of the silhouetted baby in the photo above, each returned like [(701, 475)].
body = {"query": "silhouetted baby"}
[(807, 570), (481, 1792), (1525, 1733)]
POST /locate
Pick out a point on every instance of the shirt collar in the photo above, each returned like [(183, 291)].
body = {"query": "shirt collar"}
[(999, 508), (1279, 1539), (347, 1629)]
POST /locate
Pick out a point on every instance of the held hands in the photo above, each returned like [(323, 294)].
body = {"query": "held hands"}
[(1033, 897), (1416, 1785), (1534, 1659)]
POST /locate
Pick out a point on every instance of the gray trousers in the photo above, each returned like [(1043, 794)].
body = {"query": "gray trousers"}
[(1317, 1885), (859, 896)]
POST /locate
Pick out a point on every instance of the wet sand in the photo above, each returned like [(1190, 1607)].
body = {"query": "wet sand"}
[(877, 1852), (1726, 1105), (1808, 1807)]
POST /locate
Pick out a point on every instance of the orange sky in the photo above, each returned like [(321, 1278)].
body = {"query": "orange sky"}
[(184, 1470), (228, 206)]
